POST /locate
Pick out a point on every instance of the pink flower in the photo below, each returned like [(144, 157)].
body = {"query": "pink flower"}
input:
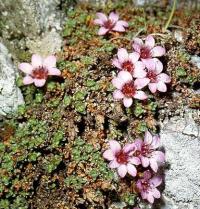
[(148, 50), (146, 151), (39, 69), (147, 187), (122, 158), (130, 63), (155, 79), (126, 89), (110, 23)]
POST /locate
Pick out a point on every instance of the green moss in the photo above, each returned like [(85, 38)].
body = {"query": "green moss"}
[(75, 182), (52, 162), (79, 95), (142, 127), (181, 72), (129, 199), (84, 152), (138, 109), (57, 138)]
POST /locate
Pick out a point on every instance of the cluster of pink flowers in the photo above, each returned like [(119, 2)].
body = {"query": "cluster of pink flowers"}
[(110, 23), (138, 69), (39, 69), (139, 153)]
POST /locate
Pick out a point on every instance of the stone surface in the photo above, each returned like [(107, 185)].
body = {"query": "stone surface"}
[(10, 95), (25, 21), (195, 60), (180, 139), (42, 45)]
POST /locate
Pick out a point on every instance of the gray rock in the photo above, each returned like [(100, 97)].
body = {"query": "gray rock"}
[(195, 60), (180, 138), (26, 20), (49, 43), (10, 95)]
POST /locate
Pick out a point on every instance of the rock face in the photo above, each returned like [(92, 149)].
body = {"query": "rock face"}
[(30, 21), (10, 95), (181, 140)]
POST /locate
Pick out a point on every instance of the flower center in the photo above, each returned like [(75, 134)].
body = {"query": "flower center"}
[(128, 66), (40, 73), (145, 151), (109, 24), (145, 185), (152, 76), (145, 53), (128, 89), (122, 157)]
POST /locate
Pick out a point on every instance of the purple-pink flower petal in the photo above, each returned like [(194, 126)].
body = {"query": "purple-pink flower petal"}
[(39, 82), (134, 57), (156, 181), (158, 156), (138, 41), (36, 60), (118, 27), (53, 71), (135, 160), (140, 95), (108, 154), (145, 161), (98, 22), (158, 51), (123, 23), (117, 94), (149, 41), (122, 55), (117, 82), (164, 78), (102, 31), (102, 16), (156, 193), (155, 142), (148, 138), (150, 198), (114, 164), (161, 86), (27, 80), (127, 101), (26, 68), (50, 61), (116, 63), (153, 165), (131, 170), (113, 17), (114, 146), (129, 148), (122, 170), (125, 76), (141, 82), (152, 87)]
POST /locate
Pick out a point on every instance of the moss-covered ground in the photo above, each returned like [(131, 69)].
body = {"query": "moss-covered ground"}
[(51, 149)]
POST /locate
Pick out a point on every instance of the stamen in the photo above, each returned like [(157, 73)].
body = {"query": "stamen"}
[(122, 157), (40, 73), (129, 89), (109, 24), (145, 53), (152, 76), (128, 66)]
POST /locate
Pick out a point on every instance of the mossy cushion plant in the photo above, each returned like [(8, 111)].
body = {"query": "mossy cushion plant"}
[(87, 136)]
